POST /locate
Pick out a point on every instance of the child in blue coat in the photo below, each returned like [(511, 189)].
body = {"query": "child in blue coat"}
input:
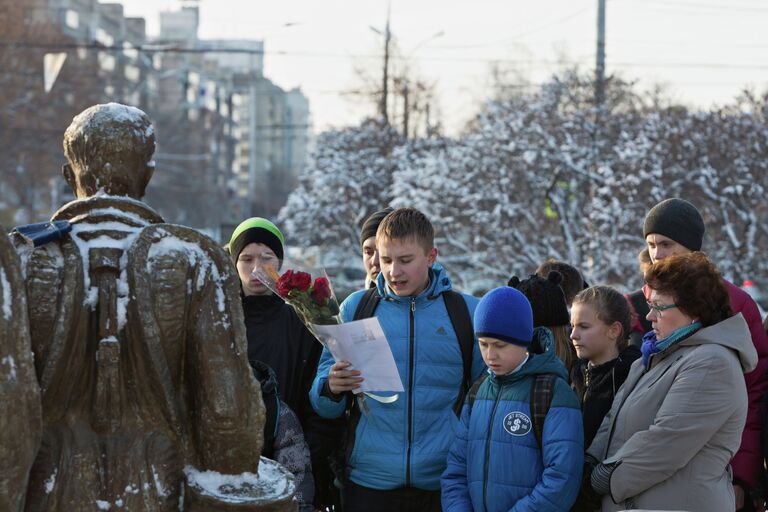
[(497, 461)]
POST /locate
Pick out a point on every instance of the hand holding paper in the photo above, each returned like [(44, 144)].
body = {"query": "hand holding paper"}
[(342, 378), (363, 344)]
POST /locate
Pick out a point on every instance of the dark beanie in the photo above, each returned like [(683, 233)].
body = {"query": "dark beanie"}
[(256, 230), (371, 224), (676, 219), (546, 297), (505, 314)]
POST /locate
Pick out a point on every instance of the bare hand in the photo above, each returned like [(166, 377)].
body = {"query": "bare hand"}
[(340, 379)]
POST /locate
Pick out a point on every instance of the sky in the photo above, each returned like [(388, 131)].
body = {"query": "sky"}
[(703, 51)]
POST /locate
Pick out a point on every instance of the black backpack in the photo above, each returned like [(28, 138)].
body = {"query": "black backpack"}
[(542, 389), (266, 377)]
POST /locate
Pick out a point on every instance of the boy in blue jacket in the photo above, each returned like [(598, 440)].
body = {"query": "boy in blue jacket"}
[(496, 462), (396, 453)]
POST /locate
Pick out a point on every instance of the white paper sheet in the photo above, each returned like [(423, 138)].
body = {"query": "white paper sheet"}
[(363, 344)]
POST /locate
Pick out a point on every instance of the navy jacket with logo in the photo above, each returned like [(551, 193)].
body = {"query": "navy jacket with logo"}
[(495, 463)]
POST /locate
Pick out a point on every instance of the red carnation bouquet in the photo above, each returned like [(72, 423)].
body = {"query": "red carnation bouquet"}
[(313, 299), (314, 302)]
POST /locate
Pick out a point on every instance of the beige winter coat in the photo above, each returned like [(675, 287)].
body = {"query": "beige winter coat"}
[(675, 427)]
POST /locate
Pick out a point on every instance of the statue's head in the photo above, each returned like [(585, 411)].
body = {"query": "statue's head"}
[(109, 147)]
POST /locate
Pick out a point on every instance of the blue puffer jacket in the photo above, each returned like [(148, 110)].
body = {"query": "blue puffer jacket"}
[(405, 443), (495, 463)]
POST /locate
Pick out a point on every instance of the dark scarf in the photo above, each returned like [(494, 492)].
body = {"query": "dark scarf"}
[(653, 346)]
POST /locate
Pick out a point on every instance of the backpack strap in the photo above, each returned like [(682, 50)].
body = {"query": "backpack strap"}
[(462, 326), (473, 390), (542, 389), (637, 299), (367, 305)]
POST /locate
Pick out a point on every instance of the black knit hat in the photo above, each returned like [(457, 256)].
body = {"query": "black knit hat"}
[(371, 224), (676, 219), (546, 297), (258, 230)]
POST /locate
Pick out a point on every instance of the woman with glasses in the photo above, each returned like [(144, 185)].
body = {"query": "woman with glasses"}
[(677, 421)]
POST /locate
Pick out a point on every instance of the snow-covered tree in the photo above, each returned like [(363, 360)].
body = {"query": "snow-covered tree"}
[(517, 187), (545, 174), (717, 160), (349, 176)]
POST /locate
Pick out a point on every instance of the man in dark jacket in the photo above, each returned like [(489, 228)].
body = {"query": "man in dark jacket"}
[(368, 246), (278, 338), (673, 227)]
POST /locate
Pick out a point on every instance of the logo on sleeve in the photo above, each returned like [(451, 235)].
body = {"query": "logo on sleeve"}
[(517, 423)]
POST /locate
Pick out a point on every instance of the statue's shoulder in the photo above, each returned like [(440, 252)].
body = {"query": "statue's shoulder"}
[(169, 265), (168, 252), (160, 240)]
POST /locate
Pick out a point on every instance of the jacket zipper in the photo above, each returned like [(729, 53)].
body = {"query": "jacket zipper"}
[(488, 449), (410, 396), (587, 381)]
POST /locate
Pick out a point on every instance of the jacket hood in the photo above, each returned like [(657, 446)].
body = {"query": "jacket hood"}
[(732, 333), (265, 375), (439, 282), (539, 363)]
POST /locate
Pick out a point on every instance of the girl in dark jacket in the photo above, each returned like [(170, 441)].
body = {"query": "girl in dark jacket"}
[(600, 322)]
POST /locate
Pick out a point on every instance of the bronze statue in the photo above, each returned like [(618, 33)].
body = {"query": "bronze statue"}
[(140, 348), (20, 418)]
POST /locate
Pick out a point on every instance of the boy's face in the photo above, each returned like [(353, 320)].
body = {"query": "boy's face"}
[(251, 257), (405, 265), (371, 259), (501, 357)]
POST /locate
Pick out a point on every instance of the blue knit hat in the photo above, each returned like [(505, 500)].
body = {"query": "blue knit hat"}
[(505, 314)]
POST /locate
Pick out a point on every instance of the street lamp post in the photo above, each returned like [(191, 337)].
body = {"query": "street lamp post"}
[(405, 89)]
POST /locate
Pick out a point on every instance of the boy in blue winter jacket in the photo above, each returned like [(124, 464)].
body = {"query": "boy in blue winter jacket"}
[(496, 462), (398, 450)]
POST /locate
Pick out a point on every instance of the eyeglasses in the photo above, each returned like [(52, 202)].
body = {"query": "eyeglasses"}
[(658, 308)]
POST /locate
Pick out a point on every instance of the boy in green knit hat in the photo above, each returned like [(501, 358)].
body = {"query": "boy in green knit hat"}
[(278, 338), (256, 241)]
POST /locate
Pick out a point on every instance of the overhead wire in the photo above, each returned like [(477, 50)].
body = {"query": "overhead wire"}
[(534, 63)]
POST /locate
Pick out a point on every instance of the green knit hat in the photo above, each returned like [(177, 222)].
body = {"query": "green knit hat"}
[(259, 230)]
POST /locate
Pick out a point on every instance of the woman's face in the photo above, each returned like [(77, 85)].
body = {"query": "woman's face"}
[(593, 339), (664, 315)]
